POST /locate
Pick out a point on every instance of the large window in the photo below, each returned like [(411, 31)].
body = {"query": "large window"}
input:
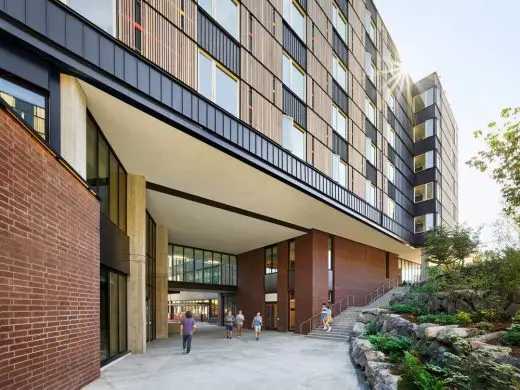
[(225, 12), (423, 100), (339, 22), (339, 72), (370, 151), (423, 192), (339, 121), (370, 195), (293, 137), (370, 111), (390, 208), (390, 172), (293, 76), (370, 26), (390, 100), (422, 162), (423, 130), (339, 170), (28, 104), (271, 260), (106, 175), (424, 223), (370, 68), (390, 134), (100, 12), (295, 17), (186, 264), (218, 84)]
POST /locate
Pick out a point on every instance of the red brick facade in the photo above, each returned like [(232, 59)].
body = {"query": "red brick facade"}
[(49, 268)]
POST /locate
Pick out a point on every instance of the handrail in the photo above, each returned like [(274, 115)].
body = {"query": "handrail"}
[(381, 290), (343, 304)]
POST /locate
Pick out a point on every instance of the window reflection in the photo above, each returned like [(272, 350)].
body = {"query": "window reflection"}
[(100, 12), (225, 12)]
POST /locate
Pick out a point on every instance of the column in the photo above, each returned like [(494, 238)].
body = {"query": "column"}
[(283, 286), (136, 230), (73, 109), (161, 282)]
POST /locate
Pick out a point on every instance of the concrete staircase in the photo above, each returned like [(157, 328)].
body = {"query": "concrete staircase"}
[(341, 327)]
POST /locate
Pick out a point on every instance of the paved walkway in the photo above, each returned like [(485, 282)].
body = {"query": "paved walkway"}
[(277, 361)]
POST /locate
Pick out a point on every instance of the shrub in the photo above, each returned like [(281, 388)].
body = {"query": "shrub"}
[(401, 308), (512, 336), (441, 319), (391, 346), (489, 315), (415, 376), (484, 325), (463, 318), (371, 328), (516, 318)]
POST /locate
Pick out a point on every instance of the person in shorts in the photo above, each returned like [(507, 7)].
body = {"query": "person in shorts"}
[(257, 325), (188, 326), (228, 322), (239, 320), (324, 315)]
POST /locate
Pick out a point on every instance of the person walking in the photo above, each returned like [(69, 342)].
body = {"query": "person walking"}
[(228, 322), (324, 313), (188, 327), (257, 325), (329, 319), (239, 320)]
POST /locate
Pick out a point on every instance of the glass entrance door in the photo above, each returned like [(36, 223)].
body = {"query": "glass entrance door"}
[(271, 316)]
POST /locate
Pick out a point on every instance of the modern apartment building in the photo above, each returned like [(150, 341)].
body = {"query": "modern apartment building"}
[(271, 153)]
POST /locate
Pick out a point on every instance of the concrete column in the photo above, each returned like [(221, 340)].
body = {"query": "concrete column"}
[(73, 109), (161, 282), (136, 230)]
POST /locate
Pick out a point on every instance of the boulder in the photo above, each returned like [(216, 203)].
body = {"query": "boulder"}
[(430, 333), (380, 376), (365, 318), (451, 302), (374, 356), (359, 347), (359, 329), (514, 296), (419, 332), (493, 350), (489, 336), (449, 336), (513, 308), (508, 359), (395, 325)]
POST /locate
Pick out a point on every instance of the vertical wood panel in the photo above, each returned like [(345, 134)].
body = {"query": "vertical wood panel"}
[(126, 18), (322, 158)]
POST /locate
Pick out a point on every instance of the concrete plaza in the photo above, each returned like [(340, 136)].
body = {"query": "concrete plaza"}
[(276, 361)]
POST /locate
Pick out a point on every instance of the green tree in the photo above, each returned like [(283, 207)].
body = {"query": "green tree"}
[(502, 158), (448, 248)]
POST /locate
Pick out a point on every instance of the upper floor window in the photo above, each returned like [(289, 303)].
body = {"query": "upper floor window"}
[(370, 151), (225, 12), (339, 170), (424, 223), (370, 26), (423, 192), (339, 121), (293, 76), (271, 260), (28, 104), (370, 195), (423, 100), (339, 72), (390, 172), (370, 68), (422, 162), (294, 15), (390, 208), (390, 135), (423, 130), (339, 22), (390, 99), (370, 111), (218, 84), (293, 138), (100, 12)]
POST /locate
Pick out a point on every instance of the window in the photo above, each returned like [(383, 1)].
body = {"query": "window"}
[(225, 12), (292, 255), (339, 170), (339, 72), (423, 100), (271, 260), (423, 192), (250, 105), (390, 100), (424, 223), (370, 68), (339, 22), (370, 26), (182, 13), (390, 208), (29, 105), (422, 162), (217, 84), (100, 12), (370, 151), (339, 121), (250, 33), (370, 193), (293, 76), (293, 137), (423, 130), (390, 135), (391, 172), (137, 26), (295, 17), (370, 111)]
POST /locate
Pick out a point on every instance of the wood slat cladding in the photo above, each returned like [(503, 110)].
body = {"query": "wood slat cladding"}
[(126, 19), (171, 10), (316, 61), (318, 128), (355, 158), (268, 14), (255, 74), (213, 39), (359, 184), (294, 46), (358, 94), (322, 158), (168, 47), (319, 17), (321, 103), (340, 97)]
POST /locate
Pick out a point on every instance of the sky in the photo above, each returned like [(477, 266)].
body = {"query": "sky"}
[(474, 46)]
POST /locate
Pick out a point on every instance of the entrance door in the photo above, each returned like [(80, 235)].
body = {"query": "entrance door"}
[(271, 316)]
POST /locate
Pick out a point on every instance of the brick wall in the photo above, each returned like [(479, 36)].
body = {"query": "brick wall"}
[(250, 283), (49, 268)]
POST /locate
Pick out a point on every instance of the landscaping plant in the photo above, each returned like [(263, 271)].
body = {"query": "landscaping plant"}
[(463, 318), (416, 377), (441, 319), (484, 325), (512, 337), (402, 308), (371, 328), (391, 346)]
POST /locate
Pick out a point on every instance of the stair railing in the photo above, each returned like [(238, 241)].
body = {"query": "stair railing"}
[(315, 320), (381, 290)]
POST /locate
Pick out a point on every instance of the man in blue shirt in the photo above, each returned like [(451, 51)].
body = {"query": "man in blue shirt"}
[(188, 326)]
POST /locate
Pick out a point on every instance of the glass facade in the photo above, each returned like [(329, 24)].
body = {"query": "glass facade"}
[(203, 310), (113, 314), (423, 100), (186, 264), (150, 277), (225, 12), (100, 12), (410, 272)]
